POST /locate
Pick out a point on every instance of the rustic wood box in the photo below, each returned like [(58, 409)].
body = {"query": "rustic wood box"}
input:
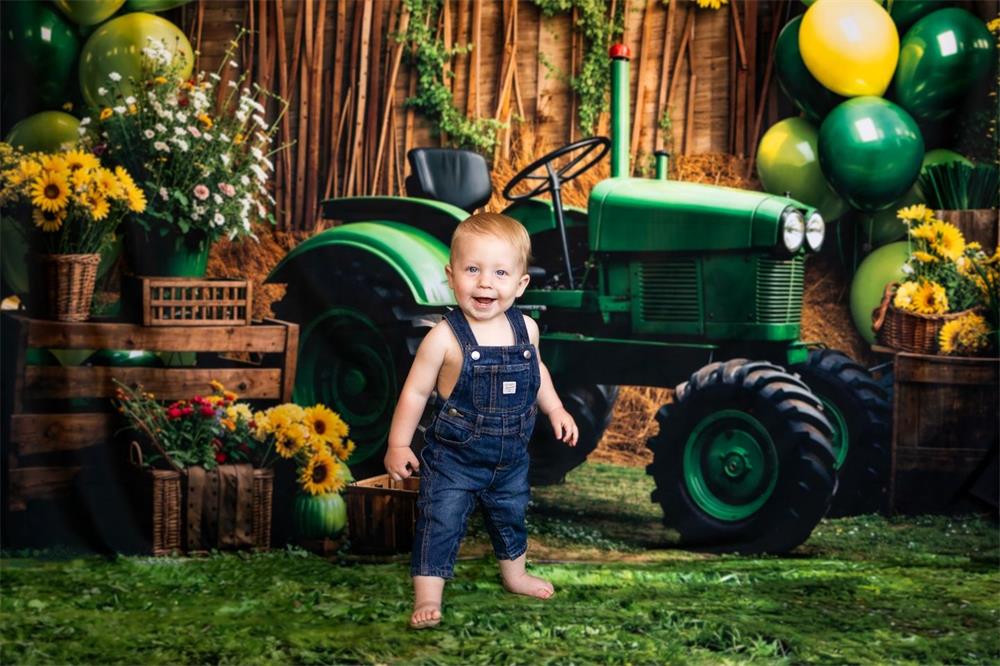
[(945, 429), (57, 421), (382, 514), (171, 301)]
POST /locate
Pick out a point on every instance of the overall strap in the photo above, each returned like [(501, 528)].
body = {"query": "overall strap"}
[(460, 327), (516, 320)]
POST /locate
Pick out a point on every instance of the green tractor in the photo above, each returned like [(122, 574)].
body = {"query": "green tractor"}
[(658, 283)]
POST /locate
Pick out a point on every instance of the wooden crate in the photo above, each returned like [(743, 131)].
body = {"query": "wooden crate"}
[(227, 508), (945, 428), (48, 437), (382, 514), (170, 301)]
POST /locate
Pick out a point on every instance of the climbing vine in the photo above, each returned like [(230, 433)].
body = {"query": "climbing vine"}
[(593, 84), (433, 98)]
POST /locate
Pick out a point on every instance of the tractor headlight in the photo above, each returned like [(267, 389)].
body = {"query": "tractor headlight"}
[(815, 231), (793, 229)]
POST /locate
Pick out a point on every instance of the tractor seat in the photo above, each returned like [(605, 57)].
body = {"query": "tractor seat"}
[(458, 177)]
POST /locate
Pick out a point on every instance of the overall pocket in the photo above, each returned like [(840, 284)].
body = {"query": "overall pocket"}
[(453, 430), (501, 388)]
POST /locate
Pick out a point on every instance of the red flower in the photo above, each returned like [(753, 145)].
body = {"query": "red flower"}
[(182, 101), (206, 411), (187, 411), (174, 413), (220, 458)]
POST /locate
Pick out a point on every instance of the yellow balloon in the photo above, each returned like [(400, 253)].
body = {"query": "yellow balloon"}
[(850, 46)]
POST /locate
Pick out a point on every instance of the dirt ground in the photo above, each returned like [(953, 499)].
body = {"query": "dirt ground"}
[(825, 318)]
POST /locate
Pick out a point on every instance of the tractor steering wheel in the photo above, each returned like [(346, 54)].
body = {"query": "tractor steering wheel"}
[(564, 173)]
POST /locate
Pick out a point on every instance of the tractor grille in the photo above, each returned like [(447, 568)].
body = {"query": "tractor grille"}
[(779, 290), (669, 291)]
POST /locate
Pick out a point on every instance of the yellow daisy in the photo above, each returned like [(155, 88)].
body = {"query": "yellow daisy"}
[(48, 220), (930, 298), (106, 183), (915, 213), (124, 177), (54, 162), (319, 476), (99, 207), (924, 232), (948, 340), (904, 295), (924, 257), (106, 113), (29, 168), (49, 191), (964, 335), (80, 160), (262, 426), (949, 242)]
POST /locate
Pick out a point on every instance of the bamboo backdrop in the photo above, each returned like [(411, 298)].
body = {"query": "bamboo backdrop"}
[(346, 77)]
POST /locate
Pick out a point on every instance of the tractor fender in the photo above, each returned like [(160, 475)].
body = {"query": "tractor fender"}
[(437, 218), (415, 255)]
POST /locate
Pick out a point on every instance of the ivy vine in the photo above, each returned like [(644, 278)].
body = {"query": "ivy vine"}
[(593, 84), (432, 98)]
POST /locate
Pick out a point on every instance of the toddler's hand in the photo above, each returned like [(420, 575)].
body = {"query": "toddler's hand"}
[(400, 462), (564, 426)]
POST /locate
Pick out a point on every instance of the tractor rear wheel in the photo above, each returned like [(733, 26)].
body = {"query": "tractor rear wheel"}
[(860, 413), (742, 462), (353, 351), (590, 405)]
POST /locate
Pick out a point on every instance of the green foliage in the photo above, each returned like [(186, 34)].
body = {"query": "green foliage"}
[(593, 84), (861, 590), (432, 98)]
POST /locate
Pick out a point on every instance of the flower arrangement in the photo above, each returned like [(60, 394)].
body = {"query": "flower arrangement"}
[(315, 438), (946, 275), (217, 429), (75, 203), (200, 153)]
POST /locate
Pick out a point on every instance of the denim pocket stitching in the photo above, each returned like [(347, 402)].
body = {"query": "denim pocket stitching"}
[(457, 424)]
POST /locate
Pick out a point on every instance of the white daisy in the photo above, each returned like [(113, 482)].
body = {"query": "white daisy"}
[(115, 76)]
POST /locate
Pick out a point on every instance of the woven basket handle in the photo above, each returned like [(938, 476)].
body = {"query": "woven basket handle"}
[(135, 454), (878, 314)]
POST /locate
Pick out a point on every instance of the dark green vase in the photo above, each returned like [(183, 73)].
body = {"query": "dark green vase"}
[(162, 250)]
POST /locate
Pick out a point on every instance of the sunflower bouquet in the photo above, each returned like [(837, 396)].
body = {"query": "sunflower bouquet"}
[(315, 438), (65, 202), (948, 276), (198, 146)]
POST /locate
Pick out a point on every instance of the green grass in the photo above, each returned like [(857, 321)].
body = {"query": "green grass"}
[(861, 590)]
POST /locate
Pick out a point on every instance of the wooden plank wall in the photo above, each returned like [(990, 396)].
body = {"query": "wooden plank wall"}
[(337, 66)]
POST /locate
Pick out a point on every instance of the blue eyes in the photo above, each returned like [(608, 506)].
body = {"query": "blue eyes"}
[(475, 269)]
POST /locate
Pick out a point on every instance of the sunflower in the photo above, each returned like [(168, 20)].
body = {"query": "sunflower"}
[(99, 207), (319, 476), (53, 162), (904, 295), (924, 232), (324, 423), (262, 425), (29, 168), (930, 298), (964, 335), (48, 220), (924, 257), (81, 160), (49, 191), (107, 184), (915, 213), (124, 178), (135, 199), (949, 242)]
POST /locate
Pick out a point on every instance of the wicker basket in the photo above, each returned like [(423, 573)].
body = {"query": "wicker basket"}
[(228, 508), (382, 514), (166, 511), (68, 285), (908, 331), (171, 301)]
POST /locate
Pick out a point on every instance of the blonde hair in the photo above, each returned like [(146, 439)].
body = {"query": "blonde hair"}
[(499, 226)]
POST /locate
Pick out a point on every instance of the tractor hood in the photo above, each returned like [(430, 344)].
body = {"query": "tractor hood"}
[(643, 215)]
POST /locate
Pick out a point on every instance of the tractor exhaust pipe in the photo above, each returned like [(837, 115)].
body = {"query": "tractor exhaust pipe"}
[(620, 55)]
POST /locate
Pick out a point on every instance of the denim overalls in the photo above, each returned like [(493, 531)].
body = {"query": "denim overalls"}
[(476, 448)]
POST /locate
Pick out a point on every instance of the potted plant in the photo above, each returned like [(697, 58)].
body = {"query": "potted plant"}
[(199, 147), (948, 302), (67, 205), (316, 439)]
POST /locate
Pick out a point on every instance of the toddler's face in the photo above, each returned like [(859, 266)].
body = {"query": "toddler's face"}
[(486, 273)]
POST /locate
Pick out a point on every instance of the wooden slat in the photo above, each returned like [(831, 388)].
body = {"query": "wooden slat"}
[(927, 369), (942, 460), (265, 338), (291, 363), (33, 434), (42, 382), (29, 483)]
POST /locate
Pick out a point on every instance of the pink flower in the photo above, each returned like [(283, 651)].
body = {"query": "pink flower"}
[(227, 189), (201, 192)]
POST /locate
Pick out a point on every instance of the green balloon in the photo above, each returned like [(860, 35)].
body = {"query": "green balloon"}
[(40, 49), (811, 97), (787, 162), (941, 58), (153, 5), (883, 227), (88, 12), (943, 156), (870, 150), (907, 12), (878, 269), (116, 47), (125, 358), (47, 132)]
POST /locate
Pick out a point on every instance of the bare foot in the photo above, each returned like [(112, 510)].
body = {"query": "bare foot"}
[(528, 585), (424, 616)]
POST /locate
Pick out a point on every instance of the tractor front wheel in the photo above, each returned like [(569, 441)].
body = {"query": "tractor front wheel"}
[(743, 461), (860, 413), (590, 405)]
